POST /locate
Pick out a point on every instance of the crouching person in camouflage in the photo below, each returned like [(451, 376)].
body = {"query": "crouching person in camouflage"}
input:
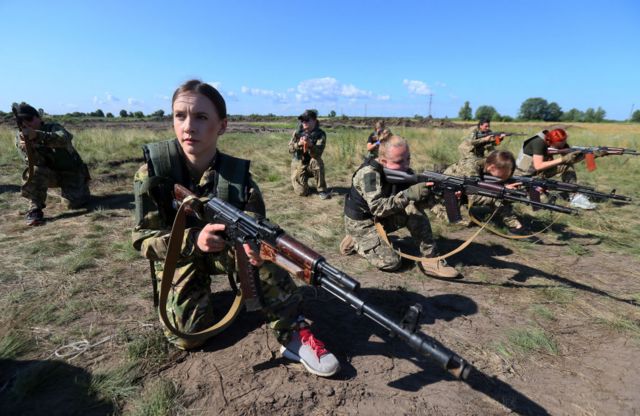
[(371, 199), (306, 147), (499, 164), (192, 160), (51, 161)]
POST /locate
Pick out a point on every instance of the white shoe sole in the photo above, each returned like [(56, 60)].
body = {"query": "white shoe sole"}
[(295, 357)]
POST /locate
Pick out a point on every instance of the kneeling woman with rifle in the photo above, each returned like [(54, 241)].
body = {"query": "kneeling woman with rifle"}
[(192, 160)]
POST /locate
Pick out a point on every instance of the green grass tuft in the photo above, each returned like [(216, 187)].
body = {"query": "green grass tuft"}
[(14, 345), (530, 340), (159, 399)]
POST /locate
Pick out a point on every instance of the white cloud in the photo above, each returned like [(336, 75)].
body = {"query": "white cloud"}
[(259, 92), (108, 99), (162, 97), (330, 89), (417, 87), (134, 102), (111, 98)]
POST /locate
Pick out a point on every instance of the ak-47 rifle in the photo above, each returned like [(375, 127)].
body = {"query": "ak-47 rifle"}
[(448, 186), (311, 267), (535, 185), (590, 153), (497, 135), (28, 146)]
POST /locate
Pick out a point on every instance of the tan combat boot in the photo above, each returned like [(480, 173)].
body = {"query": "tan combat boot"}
[(439, 269), (347, 246)]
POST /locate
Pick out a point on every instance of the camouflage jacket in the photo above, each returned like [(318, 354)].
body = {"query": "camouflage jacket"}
[(317, 137), (53, 148), (382, 199), (152, 229), (466, 167), (473, 146)]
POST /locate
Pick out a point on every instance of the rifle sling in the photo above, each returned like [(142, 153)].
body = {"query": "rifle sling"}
[(171, 259), (496, 232), (382, 233)]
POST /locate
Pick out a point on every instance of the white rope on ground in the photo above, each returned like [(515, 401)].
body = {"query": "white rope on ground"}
[(74, 349)]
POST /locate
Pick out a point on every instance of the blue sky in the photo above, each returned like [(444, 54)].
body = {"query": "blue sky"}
[(384, 58)]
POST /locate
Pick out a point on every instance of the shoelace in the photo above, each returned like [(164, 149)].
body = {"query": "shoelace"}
[(309, 339)]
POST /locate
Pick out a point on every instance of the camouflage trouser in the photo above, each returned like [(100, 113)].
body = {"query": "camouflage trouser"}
[(505, 214), (369, 245), (469, 167), (300, 174), (567, 173), (73, 187), (190, 308)]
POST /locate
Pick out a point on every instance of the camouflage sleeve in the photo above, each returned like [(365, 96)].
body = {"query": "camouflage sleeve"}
[(368, 183), (255, 204), (294, 145), (57, 136), (471, 142), (320, 142), (20, 145), (150, 234)]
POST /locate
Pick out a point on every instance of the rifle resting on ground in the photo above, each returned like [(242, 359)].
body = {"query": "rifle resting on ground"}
[(311, 267)]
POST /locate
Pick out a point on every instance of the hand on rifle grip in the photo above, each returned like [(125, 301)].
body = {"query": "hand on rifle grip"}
[(418, 192), (210, 239), (571, 157)]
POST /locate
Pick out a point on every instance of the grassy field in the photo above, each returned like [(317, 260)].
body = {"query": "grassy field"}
[(78, 320)]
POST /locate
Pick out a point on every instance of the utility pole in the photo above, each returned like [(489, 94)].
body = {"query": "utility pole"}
[(430, 98), (365, 110), (631, 113)]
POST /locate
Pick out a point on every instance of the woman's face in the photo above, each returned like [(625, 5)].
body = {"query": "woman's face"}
[(501, 173), (309, 124), (197, 125)]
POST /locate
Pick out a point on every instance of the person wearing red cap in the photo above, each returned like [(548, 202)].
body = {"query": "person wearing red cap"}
[(534, 160)]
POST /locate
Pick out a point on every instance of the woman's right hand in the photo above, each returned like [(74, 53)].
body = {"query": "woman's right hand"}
[(209, 240)]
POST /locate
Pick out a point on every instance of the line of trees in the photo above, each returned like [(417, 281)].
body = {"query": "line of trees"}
[(537, 109)]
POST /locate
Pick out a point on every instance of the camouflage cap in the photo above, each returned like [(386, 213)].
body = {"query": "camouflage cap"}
[(25, 110), (308, 115)]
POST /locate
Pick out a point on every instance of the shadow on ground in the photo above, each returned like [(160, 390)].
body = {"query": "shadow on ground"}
[(48, 388)]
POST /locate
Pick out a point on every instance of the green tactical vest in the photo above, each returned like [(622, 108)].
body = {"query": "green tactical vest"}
[(166, 168)]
